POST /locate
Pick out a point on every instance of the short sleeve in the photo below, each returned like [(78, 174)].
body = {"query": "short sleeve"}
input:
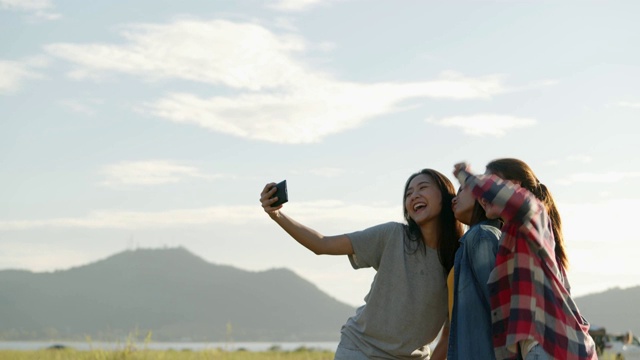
[(369, 244)]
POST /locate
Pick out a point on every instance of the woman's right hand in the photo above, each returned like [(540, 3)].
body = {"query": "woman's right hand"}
[(457, 168), (267, 200)]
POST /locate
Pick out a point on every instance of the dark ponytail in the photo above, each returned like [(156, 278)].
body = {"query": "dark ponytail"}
[(556, 223), (518, 170)]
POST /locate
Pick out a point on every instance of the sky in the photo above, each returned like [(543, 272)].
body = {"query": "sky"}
[(156, 124)]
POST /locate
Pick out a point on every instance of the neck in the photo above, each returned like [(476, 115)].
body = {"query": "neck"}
[(430, 235)]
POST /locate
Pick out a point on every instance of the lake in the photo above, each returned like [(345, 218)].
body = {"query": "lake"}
[(195, 346)]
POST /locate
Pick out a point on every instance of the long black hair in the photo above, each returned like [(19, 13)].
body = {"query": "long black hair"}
[(450, 229), (518, 170)]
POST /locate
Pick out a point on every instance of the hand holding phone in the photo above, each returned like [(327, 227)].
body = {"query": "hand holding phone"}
[(281, 193)]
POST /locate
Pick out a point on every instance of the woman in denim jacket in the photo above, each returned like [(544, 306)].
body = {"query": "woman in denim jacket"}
[(470, 331)]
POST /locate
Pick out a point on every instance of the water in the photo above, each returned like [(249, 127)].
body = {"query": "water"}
[(194, 346)]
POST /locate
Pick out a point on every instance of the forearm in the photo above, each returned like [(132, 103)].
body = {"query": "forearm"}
[(514, 202), (440, 351), (311, 239)]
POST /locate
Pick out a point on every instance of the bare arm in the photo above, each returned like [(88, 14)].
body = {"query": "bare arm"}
[(307, 237), (440, 351), (512, 201)]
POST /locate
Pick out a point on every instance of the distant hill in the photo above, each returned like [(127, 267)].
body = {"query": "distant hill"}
[(171, 292), (617, 310)]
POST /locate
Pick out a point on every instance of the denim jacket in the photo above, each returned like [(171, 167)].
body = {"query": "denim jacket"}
[(470, 330)]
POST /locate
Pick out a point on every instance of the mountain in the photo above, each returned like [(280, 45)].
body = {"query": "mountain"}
[(170, 292), (179, 296), (617, 310)]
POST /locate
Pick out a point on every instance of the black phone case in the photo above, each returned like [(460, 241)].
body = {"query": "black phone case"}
[(281, 193)]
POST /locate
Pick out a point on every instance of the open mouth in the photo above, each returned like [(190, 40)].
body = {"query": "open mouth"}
[(419, 206)]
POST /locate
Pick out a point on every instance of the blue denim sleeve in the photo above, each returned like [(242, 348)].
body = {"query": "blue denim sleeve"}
[(482, 256)]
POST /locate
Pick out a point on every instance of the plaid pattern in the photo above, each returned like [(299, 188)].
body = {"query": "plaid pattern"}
[(529, 296)]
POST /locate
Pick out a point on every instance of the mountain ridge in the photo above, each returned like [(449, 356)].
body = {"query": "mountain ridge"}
[(177, 296), (170, 292), (615, 309)]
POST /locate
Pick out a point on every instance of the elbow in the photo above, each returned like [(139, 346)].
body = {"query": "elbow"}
[(321, 246), (319, 251)]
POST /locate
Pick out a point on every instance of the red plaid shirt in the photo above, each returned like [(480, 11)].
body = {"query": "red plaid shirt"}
[(529, 296)]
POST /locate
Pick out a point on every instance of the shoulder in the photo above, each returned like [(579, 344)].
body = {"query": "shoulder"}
[(381, 231), (482, 231), (390, 226), (489, 228)]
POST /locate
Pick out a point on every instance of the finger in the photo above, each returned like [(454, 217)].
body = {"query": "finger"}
[(268, 201), (267, 192), (268, 208), (267, 187)]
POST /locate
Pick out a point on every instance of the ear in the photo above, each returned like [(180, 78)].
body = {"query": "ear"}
[(483, 202)]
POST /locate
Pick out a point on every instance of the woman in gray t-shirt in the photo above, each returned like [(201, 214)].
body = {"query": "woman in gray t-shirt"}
[(407, 304)]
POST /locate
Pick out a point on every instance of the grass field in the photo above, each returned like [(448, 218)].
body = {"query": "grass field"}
[(128, 354)]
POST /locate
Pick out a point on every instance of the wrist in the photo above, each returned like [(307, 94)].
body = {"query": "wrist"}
[(463, 176)]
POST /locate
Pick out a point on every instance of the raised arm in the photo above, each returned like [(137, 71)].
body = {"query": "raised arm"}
[(514, 203), (307, 237)]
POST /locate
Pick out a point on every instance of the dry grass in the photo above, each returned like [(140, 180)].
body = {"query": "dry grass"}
[(129, 354)]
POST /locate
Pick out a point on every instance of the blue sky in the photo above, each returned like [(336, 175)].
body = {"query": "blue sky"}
[(157, 123)]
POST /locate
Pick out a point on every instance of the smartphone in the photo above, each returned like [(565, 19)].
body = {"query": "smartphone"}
[(281, 193)]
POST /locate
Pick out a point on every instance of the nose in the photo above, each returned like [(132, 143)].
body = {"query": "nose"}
[(454, 200)]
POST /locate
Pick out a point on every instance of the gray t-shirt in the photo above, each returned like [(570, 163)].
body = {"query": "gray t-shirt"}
[(407, 304)]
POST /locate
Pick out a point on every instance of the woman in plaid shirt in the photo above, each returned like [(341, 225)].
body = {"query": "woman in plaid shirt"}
[(533, 314)]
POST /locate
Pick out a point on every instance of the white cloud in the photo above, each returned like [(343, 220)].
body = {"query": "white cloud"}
[(310, 111), (152, 172), (329, 211), (629, 104), (587, 222), (38, 256), (607, 177), (484, 124), (328, 172), (236, 55), (41, 9), (538, 84), (602, 254), (294, 5), (86, 107), (584, 159), (280, 100), (31, 5), (13, 74), (136, 220)]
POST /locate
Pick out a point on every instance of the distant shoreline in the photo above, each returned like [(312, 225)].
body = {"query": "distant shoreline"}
[(154, 345)]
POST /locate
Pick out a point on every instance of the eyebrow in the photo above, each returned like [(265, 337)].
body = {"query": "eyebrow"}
[(420, 183)]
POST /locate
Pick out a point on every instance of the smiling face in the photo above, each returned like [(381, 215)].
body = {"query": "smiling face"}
[(463, 205), (422, 199)]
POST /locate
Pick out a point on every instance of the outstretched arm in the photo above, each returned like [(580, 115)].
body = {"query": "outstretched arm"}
[(307, 237)]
